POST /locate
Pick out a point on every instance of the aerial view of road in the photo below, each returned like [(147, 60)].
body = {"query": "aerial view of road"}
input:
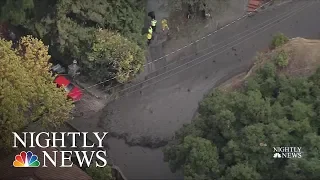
[(179, 89), (170, 100)]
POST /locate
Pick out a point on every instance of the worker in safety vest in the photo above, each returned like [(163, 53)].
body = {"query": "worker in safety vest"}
[(149, 37), (150, 30), (164, 23), (153, 24)]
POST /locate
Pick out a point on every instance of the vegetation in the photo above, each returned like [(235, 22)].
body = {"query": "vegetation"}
[(211, 6), (70, 27), (123, 58), (16, 11), (27, 91), (234, 135), (281, 59), (279, 40), (97, 173)]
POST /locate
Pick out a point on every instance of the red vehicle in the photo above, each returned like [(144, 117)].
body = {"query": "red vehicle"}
[(73, 91)]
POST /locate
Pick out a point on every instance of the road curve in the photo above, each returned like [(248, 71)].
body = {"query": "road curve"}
[(165, 103)]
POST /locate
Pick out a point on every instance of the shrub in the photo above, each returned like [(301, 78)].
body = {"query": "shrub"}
[(279, 40), (97, 173), (267, 71), (281, 59)]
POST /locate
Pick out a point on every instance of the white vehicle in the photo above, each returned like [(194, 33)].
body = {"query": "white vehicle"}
[(58, 69)]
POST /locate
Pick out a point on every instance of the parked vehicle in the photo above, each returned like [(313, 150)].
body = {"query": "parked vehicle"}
[(58, 69), (73, 91)]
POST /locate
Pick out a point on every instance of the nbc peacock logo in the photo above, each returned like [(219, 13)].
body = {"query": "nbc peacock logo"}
[(26, 160)]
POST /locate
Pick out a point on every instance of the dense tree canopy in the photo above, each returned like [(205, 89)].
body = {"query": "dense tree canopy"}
[(234, 135), (27, 91), (70, 27), (123, 58), (16, 11), (98, 173), (211, 6)]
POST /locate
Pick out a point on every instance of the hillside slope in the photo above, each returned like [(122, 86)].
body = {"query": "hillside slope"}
[(303, 57)]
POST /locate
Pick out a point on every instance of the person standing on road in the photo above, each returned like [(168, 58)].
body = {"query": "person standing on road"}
[(153, 20), (164, 23), (150, 30), (153, 24), (149, 37)]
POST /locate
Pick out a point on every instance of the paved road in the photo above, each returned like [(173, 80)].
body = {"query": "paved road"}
[(160, 109)]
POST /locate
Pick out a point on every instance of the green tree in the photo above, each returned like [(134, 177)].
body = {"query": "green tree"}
[(303, 169), (200, 157), (17, 12), (27, 90), (126, 17), (241, 172), (257, 108), (70, 27), (270, 111), (100, 173), (110, 50)]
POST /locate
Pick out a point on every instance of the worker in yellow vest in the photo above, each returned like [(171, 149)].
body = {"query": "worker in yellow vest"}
[(153, 24), (150, 30), (164, 23), (149, 37)]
